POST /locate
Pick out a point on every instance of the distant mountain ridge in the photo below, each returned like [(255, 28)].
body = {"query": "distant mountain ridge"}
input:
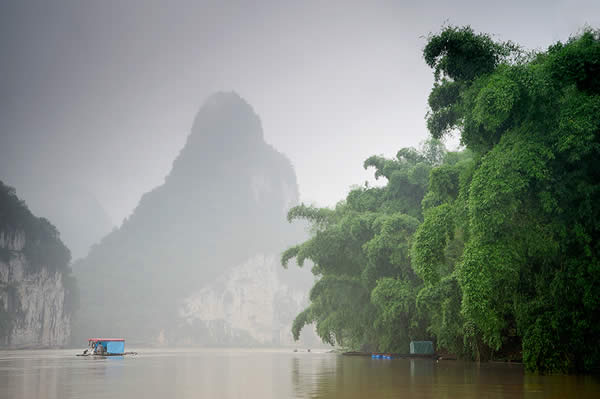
[(224, 202), (74, 210)]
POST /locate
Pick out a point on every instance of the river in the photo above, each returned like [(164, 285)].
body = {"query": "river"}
[(262, 373)]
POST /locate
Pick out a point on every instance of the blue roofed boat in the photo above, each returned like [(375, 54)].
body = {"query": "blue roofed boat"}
[(106, 347)]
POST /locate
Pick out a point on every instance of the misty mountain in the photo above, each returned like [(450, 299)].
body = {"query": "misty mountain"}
[(219, 217)]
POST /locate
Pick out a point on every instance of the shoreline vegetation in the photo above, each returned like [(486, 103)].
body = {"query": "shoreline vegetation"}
[(492, 252)]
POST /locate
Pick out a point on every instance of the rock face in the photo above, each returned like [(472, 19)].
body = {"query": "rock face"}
[(198, 260), (251, 303), (35, 304)]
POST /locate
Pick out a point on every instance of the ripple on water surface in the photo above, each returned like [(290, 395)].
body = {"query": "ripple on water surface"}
[(260, 373)]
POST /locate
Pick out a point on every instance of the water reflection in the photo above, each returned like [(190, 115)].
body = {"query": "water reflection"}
[(361, 377), (230, 373)]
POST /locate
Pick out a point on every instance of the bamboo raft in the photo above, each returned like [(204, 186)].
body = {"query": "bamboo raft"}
[(105, 354)]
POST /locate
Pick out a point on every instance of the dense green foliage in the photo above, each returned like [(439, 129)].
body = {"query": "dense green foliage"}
[(505, 256), (526, 209), (366, 292)]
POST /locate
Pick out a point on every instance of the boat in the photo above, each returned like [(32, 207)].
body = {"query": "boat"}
[(106, 347)]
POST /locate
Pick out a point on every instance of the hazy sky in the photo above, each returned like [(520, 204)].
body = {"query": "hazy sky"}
[(103, 93)]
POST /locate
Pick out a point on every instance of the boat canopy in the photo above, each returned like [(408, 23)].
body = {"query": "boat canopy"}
[(112, 346)]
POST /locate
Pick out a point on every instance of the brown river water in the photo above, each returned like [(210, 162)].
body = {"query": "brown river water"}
[(263, 373)]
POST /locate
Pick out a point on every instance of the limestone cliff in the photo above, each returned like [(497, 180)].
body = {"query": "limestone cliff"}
[(250, 303), (37, 293), (209, 237)]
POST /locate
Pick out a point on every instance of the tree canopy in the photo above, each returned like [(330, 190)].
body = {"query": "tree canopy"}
[(366, 291), (492, 251), (526, 208)]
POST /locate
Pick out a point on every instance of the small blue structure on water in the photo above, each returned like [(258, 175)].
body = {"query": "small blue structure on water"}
[(421, 348), (381, 356), (110, 346)]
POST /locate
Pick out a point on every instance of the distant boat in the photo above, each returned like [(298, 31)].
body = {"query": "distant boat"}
[(106, 347)]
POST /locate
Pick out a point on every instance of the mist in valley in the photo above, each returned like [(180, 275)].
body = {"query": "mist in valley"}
[(331, 175)]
